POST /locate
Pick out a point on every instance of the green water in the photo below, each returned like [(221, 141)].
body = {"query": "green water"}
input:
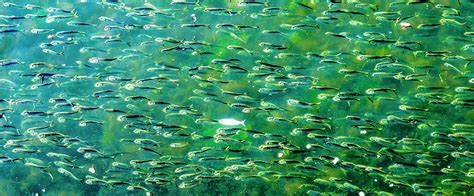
[(236, 98)]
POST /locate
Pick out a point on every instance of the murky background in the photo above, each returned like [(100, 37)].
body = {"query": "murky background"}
[(236, 97)]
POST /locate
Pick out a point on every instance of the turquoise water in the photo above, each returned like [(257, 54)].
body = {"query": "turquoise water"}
[(236, 98)]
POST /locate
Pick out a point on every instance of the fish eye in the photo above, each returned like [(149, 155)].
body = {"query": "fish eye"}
[(115, 164), (270, 78), (292, 101), (168, 135), (246, 110), (295, 132), (198, 121), (267, 50), (88, 155), (111, 78), (129, 86), (136, 131), (136, 141), (456, 154), (204, 85), (423, 126), (43, 45), (83, 50), (61, 119), (50, 20), (76, 108), (94, 60)]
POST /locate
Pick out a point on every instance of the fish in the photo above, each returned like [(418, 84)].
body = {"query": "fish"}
[(304, 5), (68, 173), (231, 122)]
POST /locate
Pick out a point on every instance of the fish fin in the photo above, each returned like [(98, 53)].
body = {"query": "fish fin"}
[(49, 174), (19, 159), (68, 160), (370, 99)]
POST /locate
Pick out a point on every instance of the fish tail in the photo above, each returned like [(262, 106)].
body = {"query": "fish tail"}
[(50, 175), (74, 13)]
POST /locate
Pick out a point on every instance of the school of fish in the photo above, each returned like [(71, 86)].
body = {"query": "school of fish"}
[(239, 97)]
